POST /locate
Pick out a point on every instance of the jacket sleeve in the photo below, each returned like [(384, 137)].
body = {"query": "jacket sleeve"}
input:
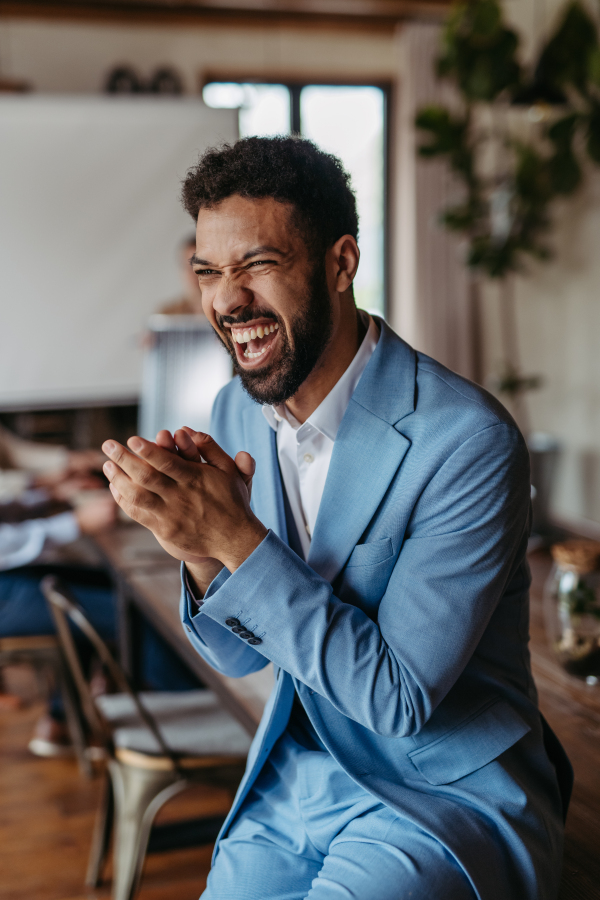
[(214, 641), (466, 538)]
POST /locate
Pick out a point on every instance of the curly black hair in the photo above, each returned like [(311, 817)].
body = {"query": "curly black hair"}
[(288, 169)]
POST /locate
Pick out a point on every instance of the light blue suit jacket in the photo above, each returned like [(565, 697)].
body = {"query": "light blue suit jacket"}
[(405, 633)]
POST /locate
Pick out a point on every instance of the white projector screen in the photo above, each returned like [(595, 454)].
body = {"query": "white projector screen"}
[(90, 223)]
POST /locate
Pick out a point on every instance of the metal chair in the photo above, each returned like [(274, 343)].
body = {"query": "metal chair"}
[(157, 744)]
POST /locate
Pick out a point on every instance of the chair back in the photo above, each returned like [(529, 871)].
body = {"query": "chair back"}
[(62, 606)]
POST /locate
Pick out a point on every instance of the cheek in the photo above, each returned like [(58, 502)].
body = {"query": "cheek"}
[(280, 295)]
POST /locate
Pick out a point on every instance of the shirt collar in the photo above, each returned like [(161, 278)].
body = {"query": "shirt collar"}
[(328, 416)]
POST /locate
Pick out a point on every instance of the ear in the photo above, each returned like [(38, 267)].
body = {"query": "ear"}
[(345, 254)]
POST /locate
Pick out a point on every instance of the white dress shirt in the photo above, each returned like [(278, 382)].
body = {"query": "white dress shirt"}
[(305, 450), (21, 543)]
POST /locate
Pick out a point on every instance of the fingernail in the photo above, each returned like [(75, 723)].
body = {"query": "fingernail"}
[(108, 468), (135, 444), (109, 447)]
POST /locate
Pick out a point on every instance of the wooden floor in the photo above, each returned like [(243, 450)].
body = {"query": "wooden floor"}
[(47, 809), (46, 818)]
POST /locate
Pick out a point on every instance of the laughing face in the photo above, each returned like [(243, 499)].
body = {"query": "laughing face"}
[(263, 294)]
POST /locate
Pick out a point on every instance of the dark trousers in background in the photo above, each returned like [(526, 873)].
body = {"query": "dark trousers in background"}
[(24, 611)]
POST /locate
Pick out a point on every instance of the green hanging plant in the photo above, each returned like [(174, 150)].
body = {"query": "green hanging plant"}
[(506, 215)]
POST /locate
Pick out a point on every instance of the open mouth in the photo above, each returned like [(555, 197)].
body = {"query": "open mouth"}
[(254, 342)]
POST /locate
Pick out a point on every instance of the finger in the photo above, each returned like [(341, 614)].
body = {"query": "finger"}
[(136, 513), (210, 450), (246, 466), (162, 462), (130, 490), (165, 440), (138, 470), (186, 446)]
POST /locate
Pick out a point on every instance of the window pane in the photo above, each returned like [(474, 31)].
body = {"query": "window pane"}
[(349, 122), (264, 108)]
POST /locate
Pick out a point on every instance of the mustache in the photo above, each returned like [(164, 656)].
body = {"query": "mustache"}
[(246, 316)]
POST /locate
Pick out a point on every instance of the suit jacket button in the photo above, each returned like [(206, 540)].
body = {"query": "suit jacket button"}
[(254, 640), (231, 622), (246, 635), (237, 629)]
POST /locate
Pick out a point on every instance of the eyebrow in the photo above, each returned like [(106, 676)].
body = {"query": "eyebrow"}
[(257, 251)]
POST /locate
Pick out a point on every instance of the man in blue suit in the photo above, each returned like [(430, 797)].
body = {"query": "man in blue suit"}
[(369, 539)]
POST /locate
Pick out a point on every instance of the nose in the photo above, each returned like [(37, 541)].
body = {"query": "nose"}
[(232, 295)]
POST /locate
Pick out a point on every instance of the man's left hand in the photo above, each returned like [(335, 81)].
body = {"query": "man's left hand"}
[(194, 509)]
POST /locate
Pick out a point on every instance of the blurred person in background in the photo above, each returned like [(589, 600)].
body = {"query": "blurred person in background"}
[(34, 478), (23, 609), (28, 466), (190, 302)]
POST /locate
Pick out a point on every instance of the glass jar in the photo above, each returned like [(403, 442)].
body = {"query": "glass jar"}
[(572, 607)]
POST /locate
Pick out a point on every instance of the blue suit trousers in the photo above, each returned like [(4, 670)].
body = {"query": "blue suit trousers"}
[(307, 830)]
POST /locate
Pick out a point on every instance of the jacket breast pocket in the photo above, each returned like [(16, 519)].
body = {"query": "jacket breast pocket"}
[(371, 554), (366, 575), (471, 745)]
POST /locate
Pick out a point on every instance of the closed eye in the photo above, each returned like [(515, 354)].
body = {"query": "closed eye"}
[(262, 262), (203, 273)]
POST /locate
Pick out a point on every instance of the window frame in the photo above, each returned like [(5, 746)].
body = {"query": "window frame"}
[(295, 84)]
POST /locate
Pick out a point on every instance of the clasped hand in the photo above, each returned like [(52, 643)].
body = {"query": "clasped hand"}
[(190, 494)]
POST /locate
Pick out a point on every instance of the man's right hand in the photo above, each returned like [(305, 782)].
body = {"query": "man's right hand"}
[(202, 569)]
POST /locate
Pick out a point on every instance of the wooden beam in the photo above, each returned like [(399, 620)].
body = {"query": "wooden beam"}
[(279, 75), (375, 14)]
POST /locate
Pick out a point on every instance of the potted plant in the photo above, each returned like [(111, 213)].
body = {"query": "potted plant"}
[(515, 142)]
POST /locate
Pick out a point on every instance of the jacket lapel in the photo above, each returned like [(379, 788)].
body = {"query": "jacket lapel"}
[(367, 453), (359, 475), (267, 495)]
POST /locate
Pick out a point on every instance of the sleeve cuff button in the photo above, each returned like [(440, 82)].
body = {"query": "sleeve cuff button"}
[(231, 622), (254, 640)]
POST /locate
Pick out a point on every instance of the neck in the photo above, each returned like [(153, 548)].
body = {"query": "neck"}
[(337, 356)]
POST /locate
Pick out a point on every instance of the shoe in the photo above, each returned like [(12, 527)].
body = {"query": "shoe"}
[(50, 738)]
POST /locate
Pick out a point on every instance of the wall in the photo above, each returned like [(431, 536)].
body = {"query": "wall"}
[(74, 57)]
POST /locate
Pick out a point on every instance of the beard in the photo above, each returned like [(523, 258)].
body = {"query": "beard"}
[(299, 349)]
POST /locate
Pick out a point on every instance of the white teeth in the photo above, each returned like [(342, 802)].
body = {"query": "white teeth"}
[(249, 355), (242, 337)]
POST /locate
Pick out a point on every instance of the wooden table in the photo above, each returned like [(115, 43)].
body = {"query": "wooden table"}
[(148, 584), (573, 710), (148, 581)]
